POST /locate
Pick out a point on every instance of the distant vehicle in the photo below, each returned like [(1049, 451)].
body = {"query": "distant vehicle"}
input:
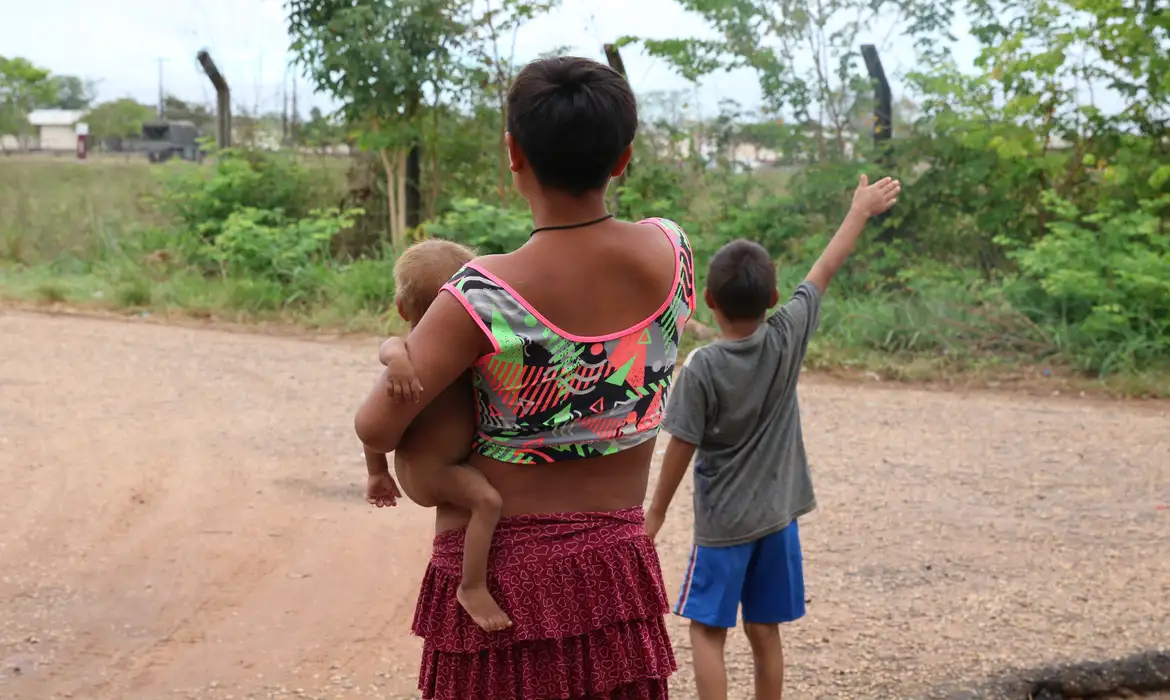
[(168, 139)]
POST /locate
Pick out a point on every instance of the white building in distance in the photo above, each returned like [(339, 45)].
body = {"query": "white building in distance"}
[(53, 130), (56, 129)]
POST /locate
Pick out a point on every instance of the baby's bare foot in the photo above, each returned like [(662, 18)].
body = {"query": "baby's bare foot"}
[(483, 608)]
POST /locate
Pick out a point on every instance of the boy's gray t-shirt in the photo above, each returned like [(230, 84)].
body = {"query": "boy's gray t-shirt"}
[(736, 400)]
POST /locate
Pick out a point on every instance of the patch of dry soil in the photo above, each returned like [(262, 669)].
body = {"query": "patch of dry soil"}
[(182, 517)]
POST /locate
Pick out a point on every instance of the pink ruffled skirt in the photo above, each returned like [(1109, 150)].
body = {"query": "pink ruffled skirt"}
[(587, 602)]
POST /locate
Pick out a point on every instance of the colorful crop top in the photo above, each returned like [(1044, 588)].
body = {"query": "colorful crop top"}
[(545, 395)]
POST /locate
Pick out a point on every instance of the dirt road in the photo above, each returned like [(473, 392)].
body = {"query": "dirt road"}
[(182, 517)]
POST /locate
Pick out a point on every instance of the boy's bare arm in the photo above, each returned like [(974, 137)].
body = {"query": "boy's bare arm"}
[(401, 381), (868, 200), (674, 468)]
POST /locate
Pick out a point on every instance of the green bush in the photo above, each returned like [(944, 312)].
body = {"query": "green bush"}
[(264, 244), (653, 188), (487, 228), (202, 200), (367, 284), (1033, 225), (1101, 281)]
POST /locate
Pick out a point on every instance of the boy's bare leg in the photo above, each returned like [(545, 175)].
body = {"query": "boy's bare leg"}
[(707, 650), (768, 655), (465, 487)]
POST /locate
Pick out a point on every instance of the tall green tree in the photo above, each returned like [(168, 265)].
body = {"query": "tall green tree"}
[(490, 42), (23, 86), (377, 58), (178, 110), (806, 57), (118, 119), (322, 130), (804, 54), (72, 92)]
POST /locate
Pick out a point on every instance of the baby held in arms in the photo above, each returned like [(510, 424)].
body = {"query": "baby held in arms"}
[(431, 461)]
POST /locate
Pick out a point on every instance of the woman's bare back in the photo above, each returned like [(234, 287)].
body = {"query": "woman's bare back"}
[(556, 274), (595, 282)]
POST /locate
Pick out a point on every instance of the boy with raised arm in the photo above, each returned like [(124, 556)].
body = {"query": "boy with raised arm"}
[(734, 404)]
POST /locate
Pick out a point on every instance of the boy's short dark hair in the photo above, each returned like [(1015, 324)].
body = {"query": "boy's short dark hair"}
[(741, 278), (422, 270), (572, 117)]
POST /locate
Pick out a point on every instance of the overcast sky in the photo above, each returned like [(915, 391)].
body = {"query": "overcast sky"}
[(121, 47)]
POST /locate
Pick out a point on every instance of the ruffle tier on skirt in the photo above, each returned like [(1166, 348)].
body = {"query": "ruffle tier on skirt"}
[(585, 595)]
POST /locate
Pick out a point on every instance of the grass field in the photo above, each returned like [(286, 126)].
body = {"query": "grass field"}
[(89, 233)]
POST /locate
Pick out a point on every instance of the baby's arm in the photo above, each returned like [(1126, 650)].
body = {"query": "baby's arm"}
[(401, 381), (381, 490)]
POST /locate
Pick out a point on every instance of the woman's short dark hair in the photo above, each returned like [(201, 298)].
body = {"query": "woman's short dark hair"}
[(572, 117), (741, 278)]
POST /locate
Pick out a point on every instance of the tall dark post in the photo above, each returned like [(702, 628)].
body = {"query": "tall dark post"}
[(883, 121), (615, 61), (413, 187), (883, 111), (223, 95)]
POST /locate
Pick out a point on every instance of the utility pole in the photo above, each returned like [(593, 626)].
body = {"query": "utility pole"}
[(161, 95), (284, 111), (295, 114)]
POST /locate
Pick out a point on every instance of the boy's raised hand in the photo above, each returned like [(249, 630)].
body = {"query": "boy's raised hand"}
[(868, 201), (874, 199)]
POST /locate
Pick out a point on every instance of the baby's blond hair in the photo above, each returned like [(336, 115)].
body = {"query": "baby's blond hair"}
[(422, 270)]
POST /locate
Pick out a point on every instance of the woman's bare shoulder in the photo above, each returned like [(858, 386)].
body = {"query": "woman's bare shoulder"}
[(491, 262)]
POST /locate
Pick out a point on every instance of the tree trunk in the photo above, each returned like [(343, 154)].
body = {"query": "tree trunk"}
[(400, 172), (436, 176), (391, 196), (502, 184)]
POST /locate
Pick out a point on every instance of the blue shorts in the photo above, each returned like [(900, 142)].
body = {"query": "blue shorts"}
[(766, 576)]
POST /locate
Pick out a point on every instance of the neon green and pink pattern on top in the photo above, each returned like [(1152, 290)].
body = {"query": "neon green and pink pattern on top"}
[(545, 395)]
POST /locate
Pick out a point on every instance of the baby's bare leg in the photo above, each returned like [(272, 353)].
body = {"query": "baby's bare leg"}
[(466, 487)]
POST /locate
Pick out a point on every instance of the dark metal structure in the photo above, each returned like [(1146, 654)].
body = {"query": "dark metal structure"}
[(883, 112), (413, 201), (223, 100), (883, 121), (614, 58), (163, 140)]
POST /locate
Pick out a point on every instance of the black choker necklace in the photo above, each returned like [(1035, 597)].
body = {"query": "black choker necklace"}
[(567, 226)]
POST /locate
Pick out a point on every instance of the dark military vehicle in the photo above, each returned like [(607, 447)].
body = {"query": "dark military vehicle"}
[(168, 139)]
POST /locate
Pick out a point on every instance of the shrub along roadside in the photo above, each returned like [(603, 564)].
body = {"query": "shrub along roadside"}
[(1089, 298), (912, 338), (250, 237)]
